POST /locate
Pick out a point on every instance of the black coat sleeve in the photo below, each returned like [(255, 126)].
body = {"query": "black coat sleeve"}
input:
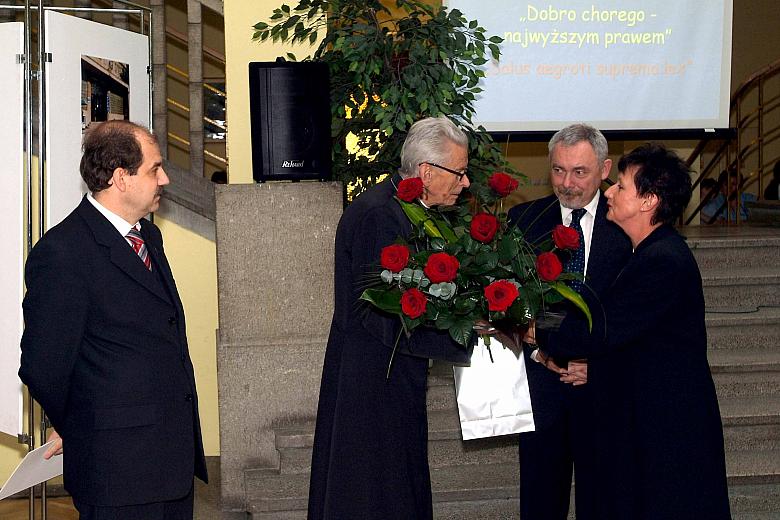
[(55, 314)]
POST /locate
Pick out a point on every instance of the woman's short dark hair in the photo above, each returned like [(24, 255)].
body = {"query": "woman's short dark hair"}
[(108, 146), (660, 172)]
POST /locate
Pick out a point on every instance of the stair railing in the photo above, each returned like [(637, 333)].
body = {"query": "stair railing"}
[(754, 147)]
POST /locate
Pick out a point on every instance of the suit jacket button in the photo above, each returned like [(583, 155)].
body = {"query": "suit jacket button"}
[(172, 320), (188, 397)]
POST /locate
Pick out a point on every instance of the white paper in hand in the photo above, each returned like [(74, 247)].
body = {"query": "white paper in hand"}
[(33, 470)]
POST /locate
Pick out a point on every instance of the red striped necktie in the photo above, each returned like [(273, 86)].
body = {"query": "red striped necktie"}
[(137, 243)]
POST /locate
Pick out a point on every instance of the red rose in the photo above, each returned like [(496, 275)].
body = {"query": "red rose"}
[(566, 237), (548, 266), (410, 189), (441, 267), (483, 227), (502, 183), (413, 303), (394, 257), (500, 295)]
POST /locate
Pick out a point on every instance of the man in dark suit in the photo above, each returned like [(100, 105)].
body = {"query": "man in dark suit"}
[(563, 438), (104, 349)]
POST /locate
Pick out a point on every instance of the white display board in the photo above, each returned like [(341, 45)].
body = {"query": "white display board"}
[(617, 64), (12, 235), (76, 46)]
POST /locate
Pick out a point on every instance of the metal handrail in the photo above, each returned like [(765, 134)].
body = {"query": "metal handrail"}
[(186, 76), (208, 51), (183, 141), (746, 114), (185, 108)]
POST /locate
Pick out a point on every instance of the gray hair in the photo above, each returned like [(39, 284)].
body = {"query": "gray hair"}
[(426, 142), (577, 133)]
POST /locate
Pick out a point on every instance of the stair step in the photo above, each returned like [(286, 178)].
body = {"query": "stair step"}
[(751, 423), (748, 502), (748, 359), (465, 487), (719, 247), (753, 467), (266, 493), (749, 381), (299, 514), (739, 328), (441, 388), (446, 446), (498, 509), (464, 483), (743, 287), (755, 516), (294, 445), (754, 498)]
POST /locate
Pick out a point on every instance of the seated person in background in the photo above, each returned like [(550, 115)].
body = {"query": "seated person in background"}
[(708, 193), (772, 191), (726, 202)]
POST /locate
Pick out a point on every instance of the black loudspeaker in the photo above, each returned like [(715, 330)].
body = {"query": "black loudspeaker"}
[(290, 117)]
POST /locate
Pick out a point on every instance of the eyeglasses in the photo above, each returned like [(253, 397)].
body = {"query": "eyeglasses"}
[(456, 173)]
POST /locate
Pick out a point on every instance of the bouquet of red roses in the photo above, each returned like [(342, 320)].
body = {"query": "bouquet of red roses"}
[(466, 264)]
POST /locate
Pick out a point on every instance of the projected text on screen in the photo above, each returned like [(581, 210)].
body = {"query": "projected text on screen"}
[(662, 64)]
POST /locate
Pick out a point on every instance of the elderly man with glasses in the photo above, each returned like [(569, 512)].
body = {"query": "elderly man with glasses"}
[(370, 457)]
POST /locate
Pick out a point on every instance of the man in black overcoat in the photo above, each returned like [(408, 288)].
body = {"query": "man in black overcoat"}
[(370, 458), (563, 437), (104, 349)]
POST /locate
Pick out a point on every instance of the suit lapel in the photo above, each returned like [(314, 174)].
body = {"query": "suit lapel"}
[(119, 251), (542, 219), (601, 245), (160, 262)]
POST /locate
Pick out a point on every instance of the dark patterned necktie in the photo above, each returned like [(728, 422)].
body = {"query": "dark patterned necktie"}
[(137, 243), (577, 262)]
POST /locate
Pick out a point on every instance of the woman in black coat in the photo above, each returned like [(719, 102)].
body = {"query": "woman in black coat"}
[(660, 436)]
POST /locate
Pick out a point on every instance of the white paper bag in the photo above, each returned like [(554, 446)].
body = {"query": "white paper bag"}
[(493, 397)]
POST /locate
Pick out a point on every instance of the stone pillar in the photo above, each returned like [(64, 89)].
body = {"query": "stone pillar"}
[(275, 280), (159, 75), (195, 66)]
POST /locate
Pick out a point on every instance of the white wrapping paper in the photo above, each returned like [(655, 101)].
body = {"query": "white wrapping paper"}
[(493, 397)]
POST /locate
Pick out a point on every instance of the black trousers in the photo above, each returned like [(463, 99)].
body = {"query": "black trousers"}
[(548, 456), (180, 509)]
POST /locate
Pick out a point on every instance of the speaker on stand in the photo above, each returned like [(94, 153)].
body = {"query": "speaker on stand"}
[(290, 121)]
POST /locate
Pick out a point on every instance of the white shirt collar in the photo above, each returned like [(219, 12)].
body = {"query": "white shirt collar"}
[(121, 225)]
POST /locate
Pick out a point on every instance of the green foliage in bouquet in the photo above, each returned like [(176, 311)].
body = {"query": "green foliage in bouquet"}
[(391, 63), (466, 264)]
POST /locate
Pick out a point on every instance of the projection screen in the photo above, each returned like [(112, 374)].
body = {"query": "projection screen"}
[(620, 65)]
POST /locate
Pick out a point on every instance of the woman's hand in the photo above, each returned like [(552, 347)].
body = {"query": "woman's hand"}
[(576, 372)]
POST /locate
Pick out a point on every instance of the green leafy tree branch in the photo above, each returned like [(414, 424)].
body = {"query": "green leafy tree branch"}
[(392, 63)]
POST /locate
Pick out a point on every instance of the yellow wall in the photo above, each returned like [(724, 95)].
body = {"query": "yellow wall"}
[(11, 452), (240, 50), (193, 260)]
